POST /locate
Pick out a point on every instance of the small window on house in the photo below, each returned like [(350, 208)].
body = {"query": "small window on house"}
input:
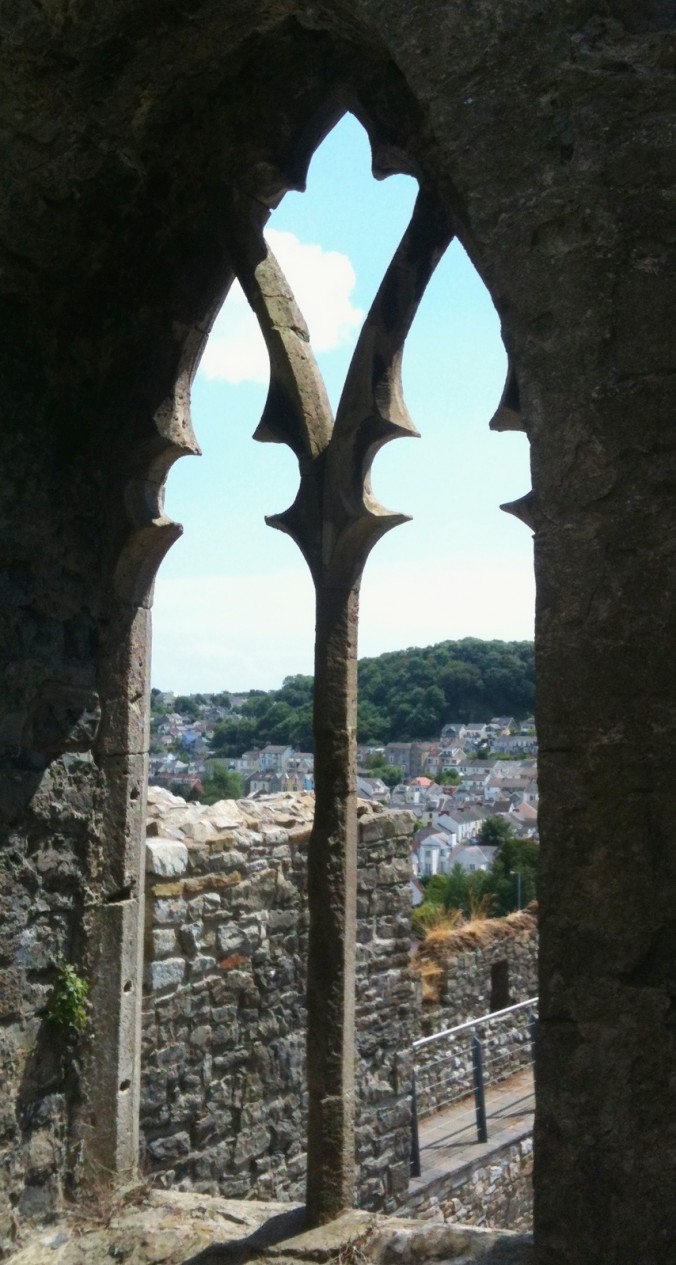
[(500, 997)]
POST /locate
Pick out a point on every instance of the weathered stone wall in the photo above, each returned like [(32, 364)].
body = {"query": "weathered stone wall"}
[(73, 737), (50, 789), (455, 971), (547, 132), (223, 1095), (495, 1191)]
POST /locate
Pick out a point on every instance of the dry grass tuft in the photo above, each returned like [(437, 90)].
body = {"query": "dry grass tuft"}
[(102, 1198), (358, 1250), (448, 934), (439, 921), (480, 907), (431, 976)]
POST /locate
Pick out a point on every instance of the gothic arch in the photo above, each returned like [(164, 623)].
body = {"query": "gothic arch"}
[(545, 132)]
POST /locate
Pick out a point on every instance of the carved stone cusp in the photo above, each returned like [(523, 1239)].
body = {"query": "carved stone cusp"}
[(297, 411), (525, 508), (507, 415)]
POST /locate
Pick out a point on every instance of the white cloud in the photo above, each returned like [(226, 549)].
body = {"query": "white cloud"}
[(249, 632), (322, 281)]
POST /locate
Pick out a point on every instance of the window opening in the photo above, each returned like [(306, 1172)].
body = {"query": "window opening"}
[(500, 998), (266, 580)]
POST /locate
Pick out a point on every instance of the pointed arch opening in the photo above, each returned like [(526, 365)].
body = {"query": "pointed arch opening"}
[(239, 601)]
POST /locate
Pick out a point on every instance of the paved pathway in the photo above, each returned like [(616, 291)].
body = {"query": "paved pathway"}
[(448, 1139)]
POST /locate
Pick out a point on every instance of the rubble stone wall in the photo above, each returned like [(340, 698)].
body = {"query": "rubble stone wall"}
[(223, 1093), (495, 1191), (465, 982), (465, 990), (50, 788)]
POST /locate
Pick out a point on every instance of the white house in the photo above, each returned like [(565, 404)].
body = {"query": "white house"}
[(440, 853), (274, 759), (464, 823)]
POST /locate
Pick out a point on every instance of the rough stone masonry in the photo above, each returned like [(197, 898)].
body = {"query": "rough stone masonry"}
[(547, 131), (224, 1097)]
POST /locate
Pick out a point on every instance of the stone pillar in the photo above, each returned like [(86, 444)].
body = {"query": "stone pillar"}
[(137, 537), (110, 1123), (332, 896), (605, 1154), (335, 521)]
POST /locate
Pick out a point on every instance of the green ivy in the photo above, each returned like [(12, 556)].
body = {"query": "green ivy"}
[(68, 1008)]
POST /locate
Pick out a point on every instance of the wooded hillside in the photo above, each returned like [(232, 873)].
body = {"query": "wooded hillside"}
[(403, 695)]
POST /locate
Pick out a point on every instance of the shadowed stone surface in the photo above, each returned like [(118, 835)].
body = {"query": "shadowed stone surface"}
[(159, 1228), (547, 133)]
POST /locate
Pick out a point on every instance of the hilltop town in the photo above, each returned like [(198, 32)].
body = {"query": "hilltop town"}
[(452, 783)]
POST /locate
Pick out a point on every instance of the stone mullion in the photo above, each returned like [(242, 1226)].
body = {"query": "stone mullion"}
[(335, 520), (332, 888), (108, 1122)]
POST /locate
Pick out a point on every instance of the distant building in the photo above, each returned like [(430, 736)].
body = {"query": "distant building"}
[(262, 783), (439, 854), (399, 754), (373, 788), (274, 758)]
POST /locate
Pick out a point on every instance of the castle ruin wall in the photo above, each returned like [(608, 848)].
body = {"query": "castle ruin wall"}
[(224, 1098)]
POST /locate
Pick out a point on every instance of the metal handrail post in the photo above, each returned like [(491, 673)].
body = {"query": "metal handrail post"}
[(479, 1091)]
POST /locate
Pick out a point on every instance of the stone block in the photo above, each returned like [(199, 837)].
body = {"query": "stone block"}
[(201, 831), (226, 815), (201, 966), (165, 974), (274, 837), (169, 911), (170, 1148), (211, 883), (191, 938), (11, 994), (164, 942), (202, 1036), (167, 891), (228, 859), (166, 858), (231, 941)]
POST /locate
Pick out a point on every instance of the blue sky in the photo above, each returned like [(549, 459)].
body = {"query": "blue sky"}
[(233, 600)]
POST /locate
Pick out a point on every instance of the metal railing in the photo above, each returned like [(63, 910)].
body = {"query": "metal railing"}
[(460, 1062)]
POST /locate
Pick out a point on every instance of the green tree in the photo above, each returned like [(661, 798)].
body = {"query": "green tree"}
[(494, 831), (459, 889), (514, 868), (234, 735), (403, 695), (221, 783), (372, 726), (375, 760), (296, 690), (377, 766), (186, 705), (300, 730)]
